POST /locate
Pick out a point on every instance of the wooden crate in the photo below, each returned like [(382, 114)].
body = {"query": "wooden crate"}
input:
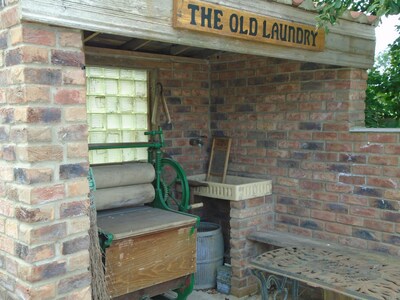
[(150, 247)]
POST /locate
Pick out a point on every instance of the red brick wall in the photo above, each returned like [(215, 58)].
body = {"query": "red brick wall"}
[(43, 162), (290, 122), (245, 217), (186, 89)]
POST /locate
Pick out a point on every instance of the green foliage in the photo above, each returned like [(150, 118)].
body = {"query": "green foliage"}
[(330, 10), (383, 92)]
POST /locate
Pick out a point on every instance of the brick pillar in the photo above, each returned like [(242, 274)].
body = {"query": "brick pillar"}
[(247, 216), (351, 85), (43, 162)]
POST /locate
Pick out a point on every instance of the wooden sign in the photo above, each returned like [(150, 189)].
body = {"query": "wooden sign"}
[(216, 19)]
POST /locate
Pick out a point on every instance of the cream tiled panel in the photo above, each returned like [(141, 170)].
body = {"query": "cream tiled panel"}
[(117, 108), (126, 104), (140, 105)]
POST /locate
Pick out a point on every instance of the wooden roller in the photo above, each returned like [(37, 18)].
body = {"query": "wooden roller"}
[(123, 174), (123, 196)]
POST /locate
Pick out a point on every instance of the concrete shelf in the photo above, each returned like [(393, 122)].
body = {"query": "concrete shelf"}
[(235, 188)]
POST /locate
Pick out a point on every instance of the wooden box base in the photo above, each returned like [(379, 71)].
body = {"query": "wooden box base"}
[(146, 258)]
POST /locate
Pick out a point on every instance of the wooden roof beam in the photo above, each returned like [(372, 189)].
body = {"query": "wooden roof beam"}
[(91, 36), (177, 49), (134, 44)]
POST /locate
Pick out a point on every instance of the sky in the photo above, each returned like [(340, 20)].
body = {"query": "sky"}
[(386, 33)]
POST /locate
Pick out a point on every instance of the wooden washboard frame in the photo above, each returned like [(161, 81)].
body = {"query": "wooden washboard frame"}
[(219, 158)]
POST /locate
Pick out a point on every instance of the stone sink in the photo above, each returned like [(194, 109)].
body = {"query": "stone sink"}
[(235, 188)]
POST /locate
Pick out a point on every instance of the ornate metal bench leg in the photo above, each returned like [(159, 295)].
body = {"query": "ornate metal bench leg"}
[(295, 290), (263, 282), (280, 286), (268, 282)]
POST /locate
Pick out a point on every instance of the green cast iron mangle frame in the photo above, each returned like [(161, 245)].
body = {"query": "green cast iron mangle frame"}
[(170, 183)]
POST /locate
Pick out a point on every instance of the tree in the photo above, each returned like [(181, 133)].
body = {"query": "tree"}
[(330, 10), (383, 91)]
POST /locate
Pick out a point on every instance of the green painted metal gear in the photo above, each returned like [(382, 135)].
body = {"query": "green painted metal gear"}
[(175, 187)]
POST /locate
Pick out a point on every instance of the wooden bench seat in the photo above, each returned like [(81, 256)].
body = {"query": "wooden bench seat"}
[(359, 274)]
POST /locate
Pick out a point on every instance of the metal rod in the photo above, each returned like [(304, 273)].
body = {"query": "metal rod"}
[(124, 145)]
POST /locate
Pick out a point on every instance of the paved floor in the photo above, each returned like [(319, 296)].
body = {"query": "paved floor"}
[(214, 295), (211, 294)]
